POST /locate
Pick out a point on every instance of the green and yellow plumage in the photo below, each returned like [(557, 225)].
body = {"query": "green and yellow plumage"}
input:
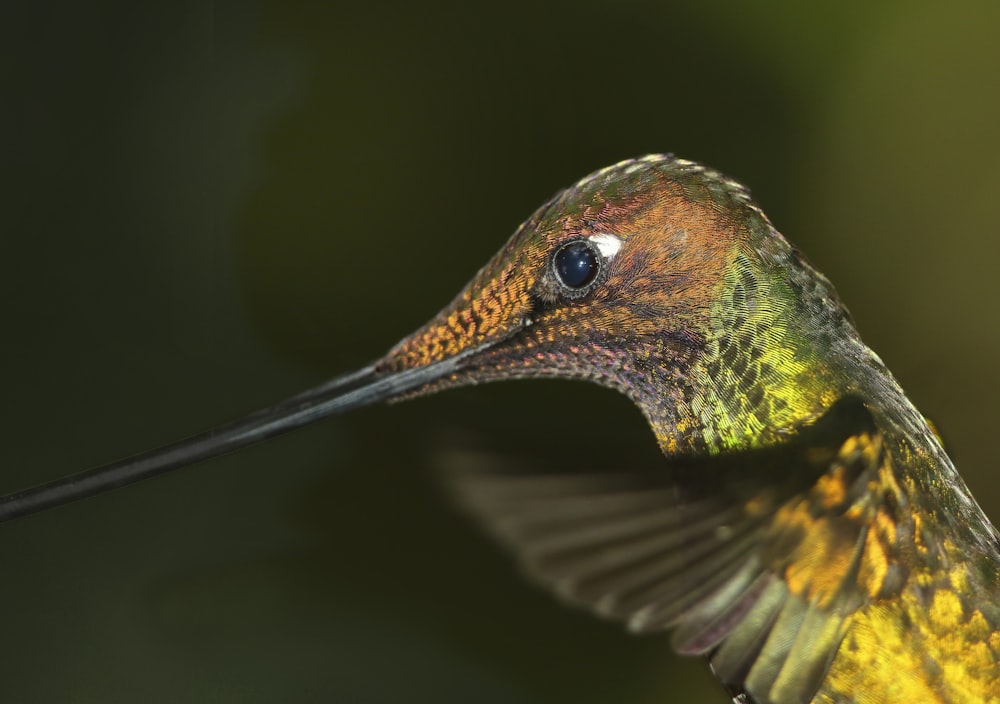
[(809, 535)]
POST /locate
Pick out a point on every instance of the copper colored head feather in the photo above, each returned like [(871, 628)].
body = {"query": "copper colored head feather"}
[(686, 265)]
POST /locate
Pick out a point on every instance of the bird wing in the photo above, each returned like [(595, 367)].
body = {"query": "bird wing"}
[(756, 559)]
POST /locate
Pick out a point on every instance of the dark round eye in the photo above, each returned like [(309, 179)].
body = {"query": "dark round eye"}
[(576, 264)]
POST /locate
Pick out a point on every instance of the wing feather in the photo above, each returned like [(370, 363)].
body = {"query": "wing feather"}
[(752, 558)]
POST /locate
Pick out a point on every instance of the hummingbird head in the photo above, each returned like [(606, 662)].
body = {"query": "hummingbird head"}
[(656, 277), (659, 278)]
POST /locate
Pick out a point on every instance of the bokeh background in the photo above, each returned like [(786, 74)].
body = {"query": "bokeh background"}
[(207, 208)]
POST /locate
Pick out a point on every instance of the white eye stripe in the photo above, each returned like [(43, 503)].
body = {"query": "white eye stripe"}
[(607, 243)]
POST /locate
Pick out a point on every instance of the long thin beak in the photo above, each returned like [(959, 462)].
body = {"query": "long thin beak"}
[(361, 388)]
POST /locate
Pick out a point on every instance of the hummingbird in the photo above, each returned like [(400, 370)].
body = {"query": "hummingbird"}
[(806, 534)]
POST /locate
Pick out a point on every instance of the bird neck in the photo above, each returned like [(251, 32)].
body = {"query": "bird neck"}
[(773, 359)]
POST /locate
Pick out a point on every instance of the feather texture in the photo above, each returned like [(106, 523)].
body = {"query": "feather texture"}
[(752, 559)]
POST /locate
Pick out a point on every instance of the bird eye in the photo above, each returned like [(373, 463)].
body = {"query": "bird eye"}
[(576, 264)]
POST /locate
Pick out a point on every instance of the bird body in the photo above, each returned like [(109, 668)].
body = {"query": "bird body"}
[(807, 533)]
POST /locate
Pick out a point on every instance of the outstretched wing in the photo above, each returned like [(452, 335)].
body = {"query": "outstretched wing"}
[(756, 560)]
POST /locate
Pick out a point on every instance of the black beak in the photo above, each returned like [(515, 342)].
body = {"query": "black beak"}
[(346, 393)]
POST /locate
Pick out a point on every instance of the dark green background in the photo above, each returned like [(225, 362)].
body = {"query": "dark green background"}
[(206, 209)]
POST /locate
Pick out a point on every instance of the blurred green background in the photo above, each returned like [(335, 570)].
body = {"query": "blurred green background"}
[(208, 208)]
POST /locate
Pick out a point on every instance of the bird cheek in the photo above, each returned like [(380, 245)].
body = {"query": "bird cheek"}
[(555, 351)]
